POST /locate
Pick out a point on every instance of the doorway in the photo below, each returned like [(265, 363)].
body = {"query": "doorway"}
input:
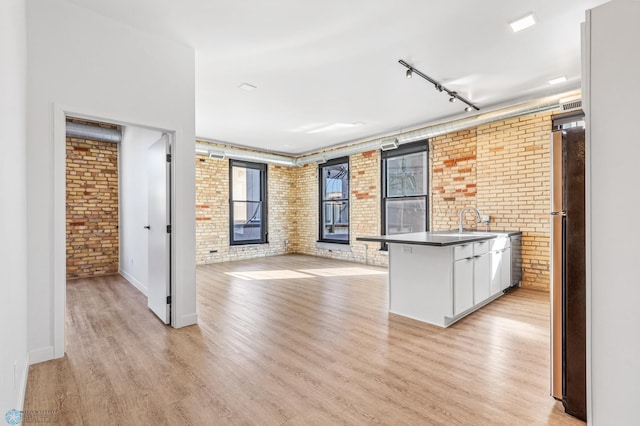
[(106, 206)]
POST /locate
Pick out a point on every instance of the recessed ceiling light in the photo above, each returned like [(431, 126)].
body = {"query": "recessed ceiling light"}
[(522, 23), (247, 87), (557, 80)]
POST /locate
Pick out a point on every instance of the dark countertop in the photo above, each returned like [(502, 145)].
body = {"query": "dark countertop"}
[(439, 238)]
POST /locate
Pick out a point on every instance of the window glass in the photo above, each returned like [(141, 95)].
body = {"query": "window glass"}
[(248, 198), (334, 201), (405, 189), (407, 175)]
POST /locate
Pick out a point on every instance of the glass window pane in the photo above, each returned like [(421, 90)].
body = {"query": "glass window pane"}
[(335, 182), (246, 184), (404, 216), (246, 221), (335, 221), (407, 175)]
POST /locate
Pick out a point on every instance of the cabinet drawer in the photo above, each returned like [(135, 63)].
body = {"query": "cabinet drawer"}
[(481, 247), (500, 243), (462, 251)]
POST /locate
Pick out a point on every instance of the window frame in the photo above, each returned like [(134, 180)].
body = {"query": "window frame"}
[(322, 201), (264, 234), (405, 149)]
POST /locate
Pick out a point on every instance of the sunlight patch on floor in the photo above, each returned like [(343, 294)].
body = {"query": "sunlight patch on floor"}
[(343, 272), (283, 274)]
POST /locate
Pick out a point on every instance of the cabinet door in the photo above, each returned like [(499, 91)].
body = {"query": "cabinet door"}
[(506, 268), (481, 278), (496, 272), (462, 285)]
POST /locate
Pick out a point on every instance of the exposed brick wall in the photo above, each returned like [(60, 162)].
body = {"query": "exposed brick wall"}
[(364, 211), (453, 177), (212, 213), (514, 187), (92, 208), (502, 168), (305, 209)]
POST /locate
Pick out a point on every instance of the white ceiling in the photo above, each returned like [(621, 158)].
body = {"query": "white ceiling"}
[(335, 62)]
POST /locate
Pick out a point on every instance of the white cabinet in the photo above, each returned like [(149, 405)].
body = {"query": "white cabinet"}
[(441, 284), (500, 269), (462, 285), (481, 278), (497, 258), (505, 275)]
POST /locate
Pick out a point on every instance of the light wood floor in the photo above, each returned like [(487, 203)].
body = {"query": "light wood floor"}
[(295, 340)]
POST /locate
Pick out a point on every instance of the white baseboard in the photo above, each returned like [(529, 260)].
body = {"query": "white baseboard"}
[(23, 384), (186, 320), (41, 355), (134, 282)]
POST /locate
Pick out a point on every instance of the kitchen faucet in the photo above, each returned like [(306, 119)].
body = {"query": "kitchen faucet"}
[(478, 218)]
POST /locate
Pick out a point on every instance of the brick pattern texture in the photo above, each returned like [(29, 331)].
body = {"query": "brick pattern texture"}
[(453, 177), (514, 187), (92, 208), (364, 212), (212, 213), (502, 168)]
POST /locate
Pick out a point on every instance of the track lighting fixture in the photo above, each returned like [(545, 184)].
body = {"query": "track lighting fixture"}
[(453, 96)]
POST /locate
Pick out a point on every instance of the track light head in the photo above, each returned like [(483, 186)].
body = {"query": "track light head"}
[(453, 96)]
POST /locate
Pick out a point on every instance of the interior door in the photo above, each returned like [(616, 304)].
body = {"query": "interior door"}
[(159, 184), (556, 264)]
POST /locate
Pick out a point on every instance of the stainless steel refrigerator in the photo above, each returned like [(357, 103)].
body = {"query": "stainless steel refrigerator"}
[(568, 270)]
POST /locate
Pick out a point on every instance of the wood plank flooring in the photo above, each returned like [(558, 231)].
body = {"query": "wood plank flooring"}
[(295, 340)]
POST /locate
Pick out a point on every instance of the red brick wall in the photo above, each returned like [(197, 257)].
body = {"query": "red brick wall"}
[(453, 177), (92, 208), (212, 213), (502, 168)]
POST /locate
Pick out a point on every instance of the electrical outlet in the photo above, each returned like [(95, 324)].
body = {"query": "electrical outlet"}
[(485, 218), (286, 241)]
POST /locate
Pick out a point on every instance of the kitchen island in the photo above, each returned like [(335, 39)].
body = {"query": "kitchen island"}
[(440, 277)]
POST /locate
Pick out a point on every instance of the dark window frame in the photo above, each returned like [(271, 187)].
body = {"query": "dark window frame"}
[(405, 149), (322, 201), (264, 234)]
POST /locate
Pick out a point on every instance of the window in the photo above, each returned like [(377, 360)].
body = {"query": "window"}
[(334, 201), (248, 206), (405, 189)]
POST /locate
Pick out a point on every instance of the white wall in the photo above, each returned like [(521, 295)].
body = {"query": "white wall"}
[(612, 89), (133, 204), (83, 63), (13, 207)]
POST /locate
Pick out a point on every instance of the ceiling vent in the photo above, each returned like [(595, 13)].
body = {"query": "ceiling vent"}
[(216, 155), (571, 105), (389, 144)]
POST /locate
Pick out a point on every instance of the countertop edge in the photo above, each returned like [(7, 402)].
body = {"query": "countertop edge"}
[(467, 239)]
